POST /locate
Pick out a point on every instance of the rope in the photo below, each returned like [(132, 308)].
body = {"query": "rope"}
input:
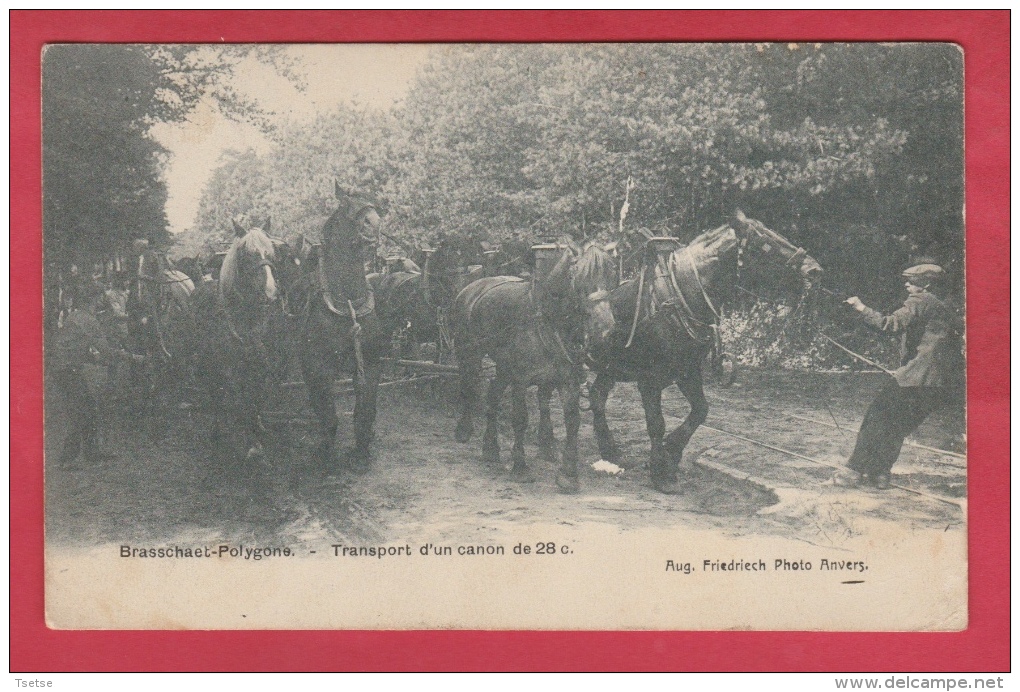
[(855, 355), (938, 498), (906, 442)]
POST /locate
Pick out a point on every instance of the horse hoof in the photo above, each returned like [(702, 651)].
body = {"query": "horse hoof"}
[(522, 475), (668, 486), (463, 434), (567, 484), (359, 462)]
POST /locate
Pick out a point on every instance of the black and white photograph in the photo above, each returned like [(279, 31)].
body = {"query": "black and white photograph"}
[(591, 336)]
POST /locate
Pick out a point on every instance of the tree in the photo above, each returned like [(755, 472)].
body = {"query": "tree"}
[(293, 184), (101, 174), (102, 171)]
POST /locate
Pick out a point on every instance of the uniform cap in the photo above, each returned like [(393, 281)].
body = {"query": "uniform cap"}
[(923, 272)]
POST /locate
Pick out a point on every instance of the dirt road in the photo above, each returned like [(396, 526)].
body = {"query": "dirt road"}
[(426, 486)]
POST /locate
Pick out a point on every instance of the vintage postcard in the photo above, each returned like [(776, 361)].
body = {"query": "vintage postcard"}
[(611, 336)]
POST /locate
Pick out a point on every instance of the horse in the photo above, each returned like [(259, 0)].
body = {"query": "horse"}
[(193, 267), (416, 304), (157, 308), (535, 331), (237, 335), (665, 325), (340, 326)]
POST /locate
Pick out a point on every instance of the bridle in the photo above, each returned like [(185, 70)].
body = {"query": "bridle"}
[(753, 235)]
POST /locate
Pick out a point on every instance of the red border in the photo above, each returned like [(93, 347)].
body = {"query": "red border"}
[(984, 36)]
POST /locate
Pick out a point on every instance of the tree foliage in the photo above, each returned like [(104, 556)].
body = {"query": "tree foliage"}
[(103, 172), (293, 185), (851, 150)]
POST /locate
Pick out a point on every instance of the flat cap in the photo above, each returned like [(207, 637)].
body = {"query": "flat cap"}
[(923, 271)]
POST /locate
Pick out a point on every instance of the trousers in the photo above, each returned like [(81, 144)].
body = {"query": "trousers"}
[(895, 413), (82, 415)]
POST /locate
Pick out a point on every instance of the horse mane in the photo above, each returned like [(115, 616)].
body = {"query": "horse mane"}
[(254, 242), (595, 270), (707, 244)]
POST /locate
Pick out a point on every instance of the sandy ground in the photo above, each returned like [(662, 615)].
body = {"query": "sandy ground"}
[(427, 486), (622, 556)]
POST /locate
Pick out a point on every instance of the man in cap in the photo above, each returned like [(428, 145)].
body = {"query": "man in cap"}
[(79, 342), (930, 372)]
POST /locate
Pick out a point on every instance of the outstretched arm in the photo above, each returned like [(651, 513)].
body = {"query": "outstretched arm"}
[(896, 322)]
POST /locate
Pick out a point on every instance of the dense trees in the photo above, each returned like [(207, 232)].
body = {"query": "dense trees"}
[(852, 150), (293, 184), (103, 172)]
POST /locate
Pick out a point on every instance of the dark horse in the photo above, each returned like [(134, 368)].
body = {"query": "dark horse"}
[(416, 304), (237, 335), (535, 331), (341, 329), (665, 322)]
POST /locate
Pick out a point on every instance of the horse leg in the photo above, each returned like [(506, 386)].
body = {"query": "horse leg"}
[(598, 393), (692, 388), (258, 395), (519, 419), (366, 390), (470, 362), (490, 442), (318, 376), (546, 439), (663, 478), (566, 478)]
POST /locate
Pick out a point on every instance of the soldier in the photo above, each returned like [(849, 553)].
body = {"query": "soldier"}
[(79, 342), (930, 374)]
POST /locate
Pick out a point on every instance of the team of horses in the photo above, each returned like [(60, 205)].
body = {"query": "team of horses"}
[(569, 312)]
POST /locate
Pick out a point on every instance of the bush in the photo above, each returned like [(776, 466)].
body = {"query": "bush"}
[(784, 333)]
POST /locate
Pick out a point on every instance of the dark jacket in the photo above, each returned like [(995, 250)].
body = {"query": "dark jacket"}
[(930, 347)]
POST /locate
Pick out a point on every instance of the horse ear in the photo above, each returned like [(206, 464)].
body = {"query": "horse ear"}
[(337, 190), (266, 225), (238, 228), (739, 217)]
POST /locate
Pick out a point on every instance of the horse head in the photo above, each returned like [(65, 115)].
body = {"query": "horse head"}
[(594, 277), (579, 282), (446, 271), (355, 223), (761, 241), (247, 275), (348, 237)]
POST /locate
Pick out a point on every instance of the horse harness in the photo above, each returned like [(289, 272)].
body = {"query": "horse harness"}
[(675, 289), (681, 289), (356, 309)]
